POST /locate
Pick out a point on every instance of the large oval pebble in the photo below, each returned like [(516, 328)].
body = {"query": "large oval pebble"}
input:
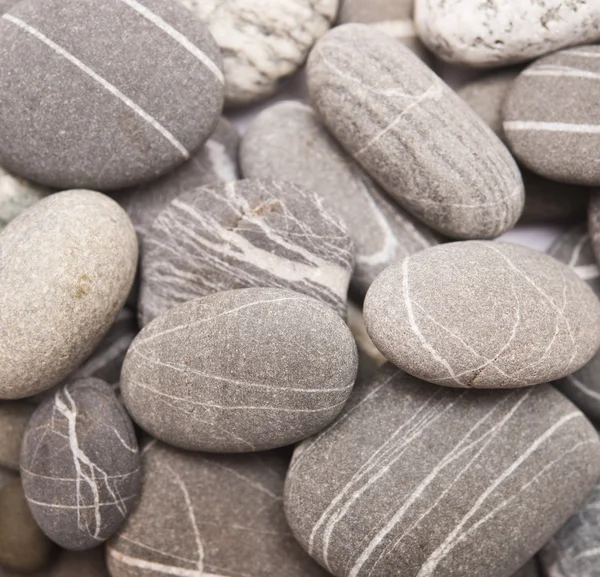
[(413, 134), (243, 370), (483, 314), (424, 481)]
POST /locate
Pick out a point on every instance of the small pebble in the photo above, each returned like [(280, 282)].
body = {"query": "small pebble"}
[(14, 417), (16, 194)]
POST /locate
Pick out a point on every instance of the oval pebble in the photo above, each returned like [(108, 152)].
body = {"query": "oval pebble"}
[(483, 314), (14, 417), (16, 195), (244, 370), (287, 142), (68, 263), (91, 109), (424, 481), (80, 465), (413, 134)]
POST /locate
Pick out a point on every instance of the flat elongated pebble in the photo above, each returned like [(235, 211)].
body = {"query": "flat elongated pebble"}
[(494, 33), (483, 314), (80, 465), (287, 142), (249, 233), (14, 416), (413, 134), (244, 370), (83, 104), (424, 481), (16, 194), (66, 267)]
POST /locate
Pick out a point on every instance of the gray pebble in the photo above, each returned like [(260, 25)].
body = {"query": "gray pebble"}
[(413, 134), (80, 465), (250, 233), (14, 417), (67, 264), (16, 195), (483, 314), (84, 106), (424, 481), (6, 4), (287, 142)]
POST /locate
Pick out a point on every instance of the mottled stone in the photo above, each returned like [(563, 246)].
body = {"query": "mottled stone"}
[(250, 233), (483, 314), (287, 142), (80, 465), (66, 266), (413, 134), (16, 194), (424, 481), (497, 33), (369, 358), (13, 420), (104, 94)]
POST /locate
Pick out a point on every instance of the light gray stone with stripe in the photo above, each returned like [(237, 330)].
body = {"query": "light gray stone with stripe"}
[(418, 480)]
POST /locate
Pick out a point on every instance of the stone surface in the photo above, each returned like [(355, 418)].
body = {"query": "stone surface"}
[(250, 233), (262, 41), (237, 371), (16, 194), (80, 465), (483, 314), (6, 4), (288, 142), (498, 33), (66, 267), (104, 94), (369, 358), (413, 134), (13, 420), (424, 481), (207, 515)]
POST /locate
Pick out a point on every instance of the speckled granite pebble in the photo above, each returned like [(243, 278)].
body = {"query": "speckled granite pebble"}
[(80, 465), (287, 142), (413, 134), (16, 194), (424, 481), (14, 416), (104, 94), (483, 314)]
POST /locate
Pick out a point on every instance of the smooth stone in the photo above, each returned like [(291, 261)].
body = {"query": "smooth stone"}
[(84, 106), (14, 417), (483, 314), (6, 4), (80, 465), (413, 134), (16, 194), (424, 481), (68, 263), (288, 142), (90, 563), (249, 233), (203, 514), (369, 358), (23, 546), (244, 370), (487, 34)]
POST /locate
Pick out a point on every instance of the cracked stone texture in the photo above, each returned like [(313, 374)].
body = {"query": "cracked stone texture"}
[(14, 416), (501, 32), (66, 266), (237, 371), (16, 194), (424, 481), (262, 41), (413, 134), (90, 563), (249, 233), (211, 515), (287, 142), (80, 465), (93, 108), (483, 314)]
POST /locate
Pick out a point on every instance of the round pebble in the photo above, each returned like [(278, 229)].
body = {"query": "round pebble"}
[(483, 314), (16, 195), (13, 421), (244, 370), (84, 106), (413, 134)]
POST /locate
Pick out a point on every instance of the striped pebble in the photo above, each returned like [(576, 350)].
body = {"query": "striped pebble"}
[(104, 94), (551, 120), (425, 481), (413, 134)]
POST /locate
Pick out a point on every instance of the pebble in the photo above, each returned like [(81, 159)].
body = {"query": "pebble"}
[(14, 416), (237, 371), (487, 34), (6, 4), (288, 142), (249, 233), (413, 134), (16, 194), (68, 263), (483, 314), (80, 465), (425, 481), (85, 107)]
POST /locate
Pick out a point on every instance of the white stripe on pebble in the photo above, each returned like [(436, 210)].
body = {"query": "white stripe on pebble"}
[(551, 126)]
